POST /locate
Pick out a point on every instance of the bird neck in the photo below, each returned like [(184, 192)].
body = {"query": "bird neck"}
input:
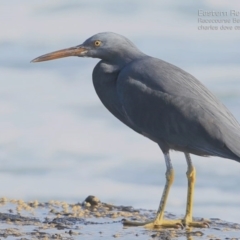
[(126, 58), (121, 57)]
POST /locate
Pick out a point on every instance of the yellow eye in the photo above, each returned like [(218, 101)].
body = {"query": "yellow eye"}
[(97, 43)]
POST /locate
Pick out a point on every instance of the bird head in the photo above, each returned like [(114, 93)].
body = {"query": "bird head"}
[(106, 46)]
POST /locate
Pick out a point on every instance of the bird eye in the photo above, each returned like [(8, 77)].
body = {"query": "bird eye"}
[(97, 43)]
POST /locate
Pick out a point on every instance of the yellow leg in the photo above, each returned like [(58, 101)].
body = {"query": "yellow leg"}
[(159, 221), (191, 176)]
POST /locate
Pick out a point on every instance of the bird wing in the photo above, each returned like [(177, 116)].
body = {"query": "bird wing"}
[(104, 77), (169, 105)]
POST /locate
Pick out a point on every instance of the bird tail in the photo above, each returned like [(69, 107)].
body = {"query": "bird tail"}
[(232, 141)]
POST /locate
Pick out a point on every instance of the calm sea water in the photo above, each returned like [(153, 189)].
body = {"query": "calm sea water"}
[(58, 142)]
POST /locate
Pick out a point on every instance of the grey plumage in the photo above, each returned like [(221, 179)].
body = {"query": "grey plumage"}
[(161, 102), (158, 99), (168, 105)]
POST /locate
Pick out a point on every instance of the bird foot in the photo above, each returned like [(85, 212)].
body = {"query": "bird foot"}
[(196, 224), (155, 224), (178, 223)]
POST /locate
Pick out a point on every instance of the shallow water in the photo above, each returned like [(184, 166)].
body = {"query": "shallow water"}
[(93, 219), (58, 142)]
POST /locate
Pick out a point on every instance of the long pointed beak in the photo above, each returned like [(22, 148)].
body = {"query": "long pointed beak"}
[(68, 52)]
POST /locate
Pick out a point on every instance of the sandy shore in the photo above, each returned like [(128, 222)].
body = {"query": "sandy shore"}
[(92, 219)]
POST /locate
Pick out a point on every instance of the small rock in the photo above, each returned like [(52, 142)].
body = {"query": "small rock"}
[(116, 235), (92, 200)]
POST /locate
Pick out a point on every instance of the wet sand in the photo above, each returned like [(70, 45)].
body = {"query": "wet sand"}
[(93, 219)]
